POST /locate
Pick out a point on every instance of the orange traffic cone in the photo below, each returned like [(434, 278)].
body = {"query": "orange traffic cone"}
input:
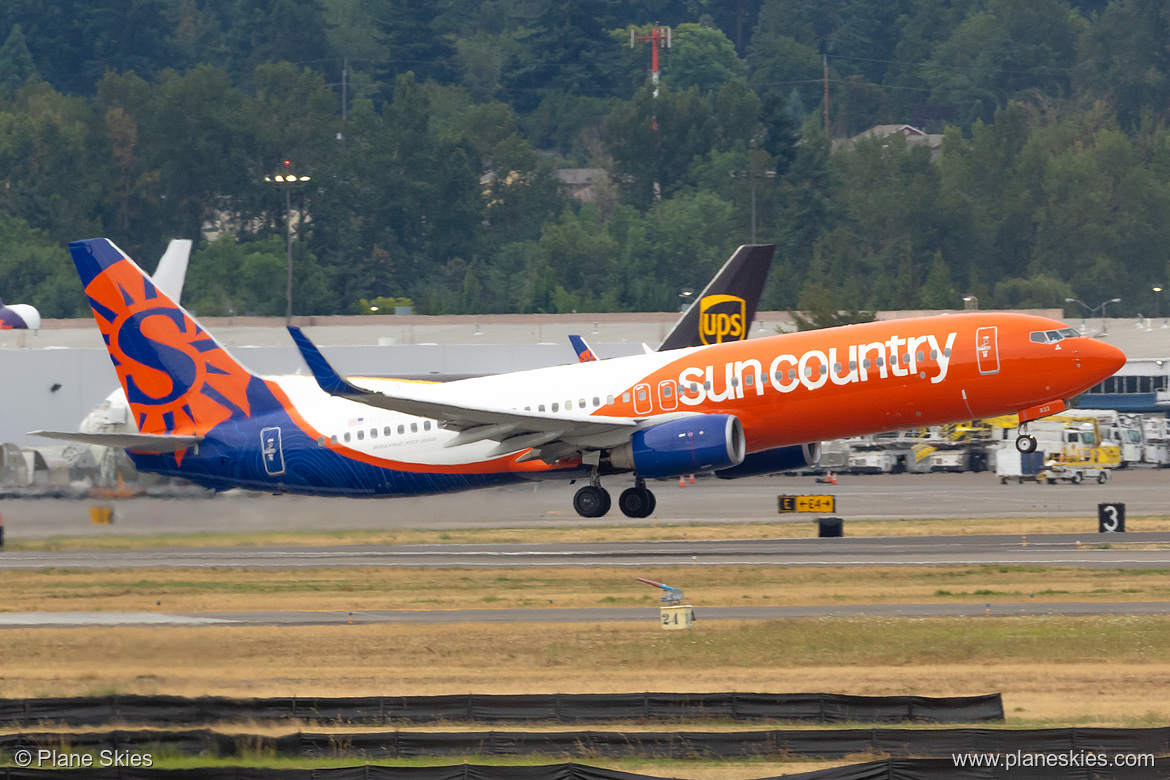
[(682, 481)]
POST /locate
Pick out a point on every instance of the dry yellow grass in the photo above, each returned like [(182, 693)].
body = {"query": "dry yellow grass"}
[(343, 589), (1052, 671), (791, 529)]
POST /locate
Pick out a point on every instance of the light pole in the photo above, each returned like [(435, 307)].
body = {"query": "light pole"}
[(286, 180), (757, 170), (1092, 310), (1157, 288)]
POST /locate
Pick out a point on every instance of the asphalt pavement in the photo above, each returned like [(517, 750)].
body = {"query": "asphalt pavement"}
[(1146, 492), (558, 615), (1090, 550)]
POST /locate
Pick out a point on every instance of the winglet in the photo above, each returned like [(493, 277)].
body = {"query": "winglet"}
[(329, 380), (584, 353)]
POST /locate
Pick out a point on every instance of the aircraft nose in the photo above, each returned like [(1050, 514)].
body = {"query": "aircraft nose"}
[(1102, 359)]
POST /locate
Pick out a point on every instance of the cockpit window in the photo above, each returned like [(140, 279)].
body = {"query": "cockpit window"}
[(1052, 336)]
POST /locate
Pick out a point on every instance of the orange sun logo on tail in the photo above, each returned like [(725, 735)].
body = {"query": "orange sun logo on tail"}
[(177, 378)]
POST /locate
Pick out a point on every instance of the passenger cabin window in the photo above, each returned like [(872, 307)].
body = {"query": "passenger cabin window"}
[(625, 398), (414, 427), (347, 437), (667, 391), (373, 433), (596, 401), (401, 429), (580, 403), (609, 399), (361, 435), (642, 392), (386, 431), (556, 407), (320, 441), (569, 405), (540, 408), (333, 438), (426, 425)]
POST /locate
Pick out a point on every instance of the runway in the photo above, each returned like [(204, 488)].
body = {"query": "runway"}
[(709, 501), (1090, 550), (556, 615)]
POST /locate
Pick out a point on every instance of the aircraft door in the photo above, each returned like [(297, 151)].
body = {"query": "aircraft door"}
[(667, 395), (272, 451), (987, 349), (642, 402)]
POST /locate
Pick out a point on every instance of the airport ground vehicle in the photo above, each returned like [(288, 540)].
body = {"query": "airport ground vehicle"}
[(1071, 451)]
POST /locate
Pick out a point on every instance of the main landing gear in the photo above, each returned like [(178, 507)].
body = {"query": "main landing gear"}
[(593, 500), (1025, 443)]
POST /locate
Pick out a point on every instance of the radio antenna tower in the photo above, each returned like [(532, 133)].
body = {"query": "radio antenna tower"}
[(659, 38)]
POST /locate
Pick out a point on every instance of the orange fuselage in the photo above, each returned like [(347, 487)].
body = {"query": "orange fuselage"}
[(866, 378)]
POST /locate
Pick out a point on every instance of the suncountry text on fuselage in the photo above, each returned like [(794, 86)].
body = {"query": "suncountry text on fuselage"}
[(920, 356)]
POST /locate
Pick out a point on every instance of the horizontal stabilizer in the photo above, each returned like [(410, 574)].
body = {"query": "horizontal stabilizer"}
[(139, 442)]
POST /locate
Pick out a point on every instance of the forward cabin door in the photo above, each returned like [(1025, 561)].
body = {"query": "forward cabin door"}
[(987, 349)]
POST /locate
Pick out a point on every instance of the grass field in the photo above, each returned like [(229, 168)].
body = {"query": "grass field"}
[(792, 529), (377, 588), (1052, 671)]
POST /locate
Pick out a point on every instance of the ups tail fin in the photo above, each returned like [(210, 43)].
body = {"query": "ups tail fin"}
[(726, 308), (177, 378)]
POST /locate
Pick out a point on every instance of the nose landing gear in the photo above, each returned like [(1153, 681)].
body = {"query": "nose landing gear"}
[(1025, 442)]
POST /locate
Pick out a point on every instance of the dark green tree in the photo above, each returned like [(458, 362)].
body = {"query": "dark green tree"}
[(16, 63)]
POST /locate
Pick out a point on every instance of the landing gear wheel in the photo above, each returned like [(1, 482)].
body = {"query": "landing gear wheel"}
[(1026, 444), (636, 502), (591, 501)]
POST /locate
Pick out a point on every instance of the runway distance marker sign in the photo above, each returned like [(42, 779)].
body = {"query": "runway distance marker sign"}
[(814, 504)]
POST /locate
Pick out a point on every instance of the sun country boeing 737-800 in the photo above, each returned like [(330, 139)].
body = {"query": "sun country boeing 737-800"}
[(736, 408)]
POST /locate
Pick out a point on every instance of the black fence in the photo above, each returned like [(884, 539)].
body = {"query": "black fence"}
[(471, 708), (891, 769), (596, 744)]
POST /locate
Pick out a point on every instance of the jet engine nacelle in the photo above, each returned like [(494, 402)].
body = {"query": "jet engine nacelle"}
[(773, 461), (685, 446)]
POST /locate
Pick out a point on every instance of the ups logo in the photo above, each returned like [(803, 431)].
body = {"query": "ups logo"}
[(722, 318)]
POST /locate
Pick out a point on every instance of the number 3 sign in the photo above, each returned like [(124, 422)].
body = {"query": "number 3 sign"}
[(1110, 518)]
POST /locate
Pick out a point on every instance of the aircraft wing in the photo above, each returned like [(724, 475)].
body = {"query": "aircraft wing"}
[(139, 442), (515, 429)]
